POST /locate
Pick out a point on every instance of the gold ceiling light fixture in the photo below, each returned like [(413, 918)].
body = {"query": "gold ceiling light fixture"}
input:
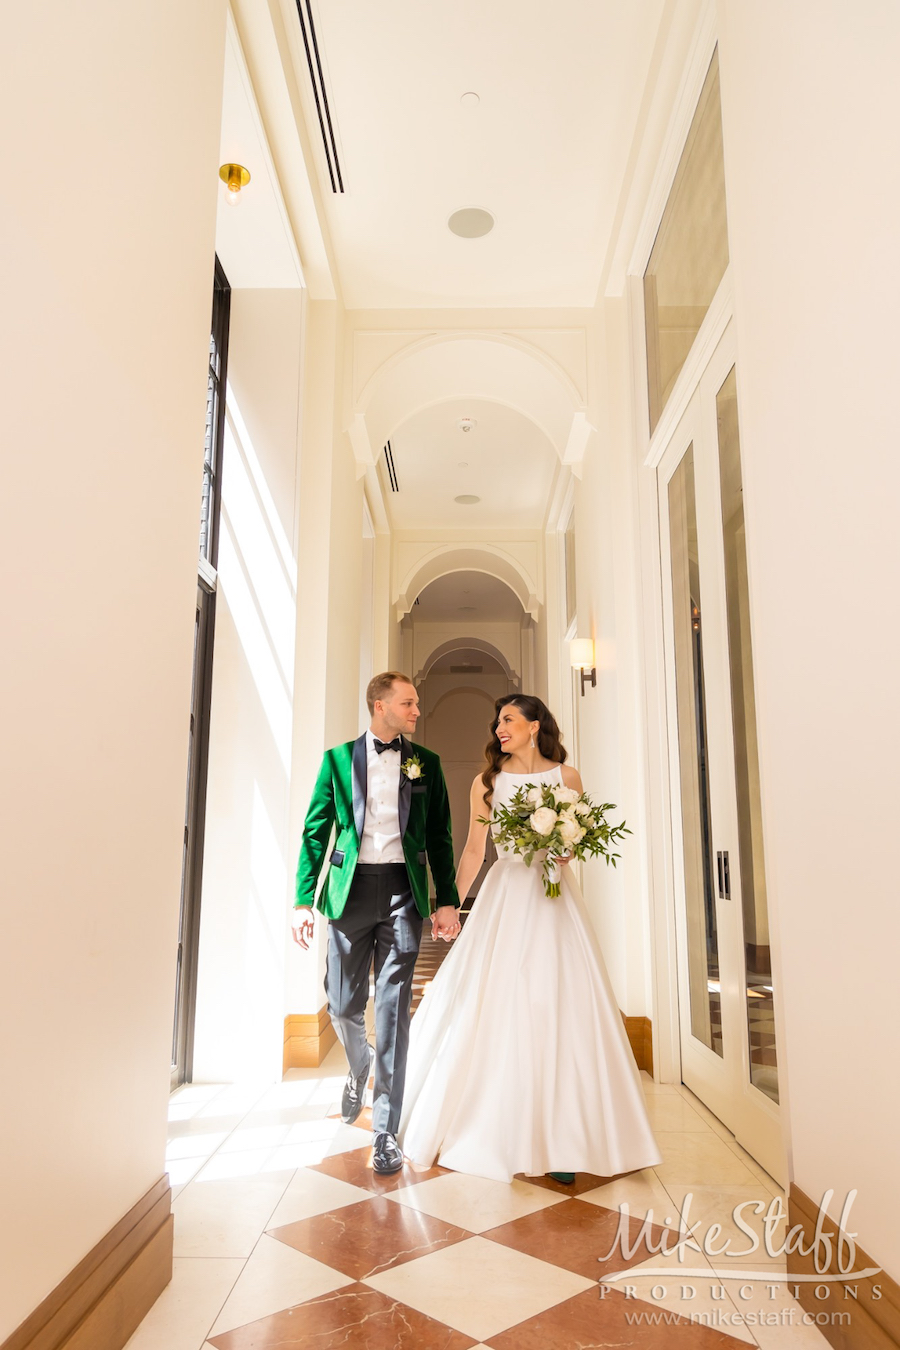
[(235, 177)]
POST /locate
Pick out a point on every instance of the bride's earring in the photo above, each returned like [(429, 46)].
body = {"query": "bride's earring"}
[(532, 740)]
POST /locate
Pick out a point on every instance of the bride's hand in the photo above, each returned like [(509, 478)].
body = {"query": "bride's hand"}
[(445, 923), (561, 859)]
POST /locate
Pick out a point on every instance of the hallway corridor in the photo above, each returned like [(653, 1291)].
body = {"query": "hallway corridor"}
[(287, 1240), (534, 365)]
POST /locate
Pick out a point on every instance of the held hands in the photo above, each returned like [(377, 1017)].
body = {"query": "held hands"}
[(302, 925), (445, 923)]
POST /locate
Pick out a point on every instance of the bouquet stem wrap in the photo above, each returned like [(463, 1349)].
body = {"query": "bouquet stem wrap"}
[(560, 820)]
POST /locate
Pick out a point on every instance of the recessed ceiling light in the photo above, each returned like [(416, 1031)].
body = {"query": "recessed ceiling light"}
[(467, 499), (470, 99), (471, 222)]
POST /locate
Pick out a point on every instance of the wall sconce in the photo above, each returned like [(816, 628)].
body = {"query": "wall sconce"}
[(235, 177), (581, 656)]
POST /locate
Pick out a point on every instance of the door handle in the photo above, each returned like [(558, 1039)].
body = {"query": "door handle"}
[(724, 871)]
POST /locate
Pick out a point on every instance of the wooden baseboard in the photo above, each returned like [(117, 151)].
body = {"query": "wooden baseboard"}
[(307, 1039), (874, 1308), (640, 1036), (99, 1304)]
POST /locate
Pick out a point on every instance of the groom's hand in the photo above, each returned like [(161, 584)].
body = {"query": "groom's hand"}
[(302, 925), (445, 923)]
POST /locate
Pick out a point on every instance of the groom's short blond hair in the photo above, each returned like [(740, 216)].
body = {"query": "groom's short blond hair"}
[(382, 684)]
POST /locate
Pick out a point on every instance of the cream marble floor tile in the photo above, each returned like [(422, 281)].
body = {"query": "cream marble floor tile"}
[(758, 1171), (479, 1287), (715, 1124), (776, 1319), (311, 1193), (225, 1217), (268, 1129), (702, 1158), (182, 1170), (275, 1277), (305, 1146), (673, 1286), (198, 1124), (474, 1203), (670, 1111), (642, 1192), (650, 1086), (181, 1317), (195, 1144), (237, 1097), (711, 1205)]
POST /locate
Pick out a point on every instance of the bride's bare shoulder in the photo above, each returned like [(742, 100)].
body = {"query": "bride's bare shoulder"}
[(571, 777)]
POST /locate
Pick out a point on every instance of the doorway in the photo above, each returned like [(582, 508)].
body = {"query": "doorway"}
[(201, 689), (726, 992)]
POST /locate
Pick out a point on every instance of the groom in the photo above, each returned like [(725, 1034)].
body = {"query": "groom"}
[(387, 800)]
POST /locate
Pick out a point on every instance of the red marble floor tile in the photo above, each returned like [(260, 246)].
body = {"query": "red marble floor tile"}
[(584, 1181), (352, 1318), (575, 1235), (355, 1167), (372, 1236), (587, 1322)]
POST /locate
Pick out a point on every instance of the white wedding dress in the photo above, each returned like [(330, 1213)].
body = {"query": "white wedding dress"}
[(518, 1058)]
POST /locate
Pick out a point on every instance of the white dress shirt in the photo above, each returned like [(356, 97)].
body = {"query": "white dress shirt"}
[(381, 841)]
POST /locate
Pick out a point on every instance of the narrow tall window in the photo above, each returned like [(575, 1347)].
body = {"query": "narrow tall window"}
[(690, 254), (201, 687)]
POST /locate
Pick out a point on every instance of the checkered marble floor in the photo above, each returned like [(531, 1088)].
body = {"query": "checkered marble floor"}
[(285, 1237)]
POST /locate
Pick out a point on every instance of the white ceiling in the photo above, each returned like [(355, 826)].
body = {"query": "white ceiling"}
[(253, 239), (545, 150), (510, 465), (467, 597)]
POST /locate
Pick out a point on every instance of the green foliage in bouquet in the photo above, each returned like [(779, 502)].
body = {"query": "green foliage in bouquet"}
[(557, 819)]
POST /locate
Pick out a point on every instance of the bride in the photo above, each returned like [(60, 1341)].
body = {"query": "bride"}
[(518, 1059)]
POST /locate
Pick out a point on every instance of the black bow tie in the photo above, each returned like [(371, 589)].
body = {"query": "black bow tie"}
[(387, 745)]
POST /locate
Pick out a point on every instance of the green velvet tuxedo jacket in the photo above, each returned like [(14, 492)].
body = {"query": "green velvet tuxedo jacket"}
[(339, 804)]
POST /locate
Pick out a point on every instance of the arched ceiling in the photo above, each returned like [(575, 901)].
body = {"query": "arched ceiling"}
[(505, 461), (467, 597)]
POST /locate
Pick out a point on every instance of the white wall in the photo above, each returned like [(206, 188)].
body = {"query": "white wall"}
[(106, 312), (330, 560), (247, 861), (811, 106)]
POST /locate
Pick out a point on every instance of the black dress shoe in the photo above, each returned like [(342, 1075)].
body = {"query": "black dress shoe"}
[(354, 1095), (386, 1156)]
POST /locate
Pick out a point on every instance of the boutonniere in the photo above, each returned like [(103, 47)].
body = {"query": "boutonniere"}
[(412, 767)]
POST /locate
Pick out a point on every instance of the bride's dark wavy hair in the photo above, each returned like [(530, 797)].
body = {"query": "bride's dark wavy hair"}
[(549, 743)]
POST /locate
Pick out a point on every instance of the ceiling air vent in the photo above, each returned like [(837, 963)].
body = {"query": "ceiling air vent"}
[(466, 670), (392, 472), (313, 60)]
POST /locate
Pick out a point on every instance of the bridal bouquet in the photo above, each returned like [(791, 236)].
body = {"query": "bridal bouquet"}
[(558, 819)]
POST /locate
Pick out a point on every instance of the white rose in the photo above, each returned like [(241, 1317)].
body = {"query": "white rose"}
[(566, 794), (582, 808), (571, 831), (535, 796), (543, 820), (413, 771)]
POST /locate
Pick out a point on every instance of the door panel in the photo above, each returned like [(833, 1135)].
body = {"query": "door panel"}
[(725, 975)]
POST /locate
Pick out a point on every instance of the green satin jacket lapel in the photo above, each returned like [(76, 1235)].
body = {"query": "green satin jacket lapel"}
[(404, 797)]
